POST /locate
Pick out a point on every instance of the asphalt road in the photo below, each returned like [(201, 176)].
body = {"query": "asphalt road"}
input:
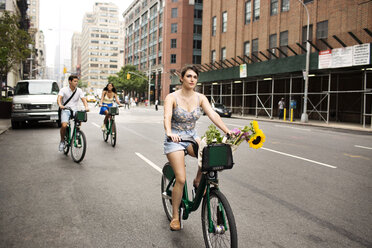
[(307, 187)]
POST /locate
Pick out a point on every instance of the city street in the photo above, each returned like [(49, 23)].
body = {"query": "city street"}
[(307, 187)]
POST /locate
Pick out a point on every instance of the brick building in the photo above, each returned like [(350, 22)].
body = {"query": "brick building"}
[(266, 40), (164, 36)]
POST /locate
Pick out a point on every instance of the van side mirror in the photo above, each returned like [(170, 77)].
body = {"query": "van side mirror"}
[(10, 93)]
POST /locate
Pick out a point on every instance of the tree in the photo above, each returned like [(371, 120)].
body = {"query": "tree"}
[(13, 44), (82, 84), (137, 81)]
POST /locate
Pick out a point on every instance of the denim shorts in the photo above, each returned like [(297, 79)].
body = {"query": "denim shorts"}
[(65, 115), (170, 146)]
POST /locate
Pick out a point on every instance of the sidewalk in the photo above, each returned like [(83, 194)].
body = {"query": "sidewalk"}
[(4, 125)]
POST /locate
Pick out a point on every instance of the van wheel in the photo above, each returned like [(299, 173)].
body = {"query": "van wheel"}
[(15, 124)]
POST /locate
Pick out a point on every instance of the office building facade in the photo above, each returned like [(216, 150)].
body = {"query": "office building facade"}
[(100, 45), (164, 35)]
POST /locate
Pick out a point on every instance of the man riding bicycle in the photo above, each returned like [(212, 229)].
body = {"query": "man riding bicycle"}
[(69, 97)]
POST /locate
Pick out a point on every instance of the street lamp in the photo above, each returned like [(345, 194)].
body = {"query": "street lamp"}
[(304, 116), (149, 75)]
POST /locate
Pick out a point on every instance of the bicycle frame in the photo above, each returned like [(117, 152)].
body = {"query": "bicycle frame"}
[(72, 136), (109, 124), (206, 181)]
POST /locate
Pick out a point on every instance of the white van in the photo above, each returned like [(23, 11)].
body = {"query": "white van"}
[(35, 100)]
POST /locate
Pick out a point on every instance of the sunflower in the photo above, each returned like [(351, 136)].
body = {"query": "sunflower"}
[(255, 126), (257, 140)]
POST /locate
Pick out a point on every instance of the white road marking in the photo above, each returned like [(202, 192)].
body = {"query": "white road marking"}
[(149, 162), (365, 147), (303, 129), (95, 124), (305, 159)]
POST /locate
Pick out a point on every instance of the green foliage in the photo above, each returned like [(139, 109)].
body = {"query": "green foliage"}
[(137, 81), (213, 135), (13, 43), (82, 84)]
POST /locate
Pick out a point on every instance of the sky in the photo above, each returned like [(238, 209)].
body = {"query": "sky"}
[(71, 13)]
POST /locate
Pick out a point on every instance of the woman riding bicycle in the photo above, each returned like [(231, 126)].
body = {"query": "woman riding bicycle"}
[(109, 95), (182, 109)]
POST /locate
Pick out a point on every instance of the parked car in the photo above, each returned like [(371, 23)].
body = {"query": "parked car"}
[(35, 100), (221, 109), (91, 98)]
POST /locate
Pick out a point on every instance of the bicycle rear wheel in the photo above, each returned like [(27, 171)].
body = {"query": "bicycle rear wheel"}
[(166, 192), (113, 134), (221, 213), (78, 146)]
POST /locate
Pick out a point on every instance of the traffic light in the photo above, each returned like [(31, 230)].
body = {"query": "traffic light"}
[(64, 70), (128, 76)]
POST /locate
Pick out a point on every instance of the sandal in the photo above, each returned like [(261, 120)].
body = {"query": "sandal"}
[(175, 225)]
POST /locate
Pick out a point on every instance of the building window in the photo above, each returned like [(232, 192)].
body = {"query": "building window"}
[(255, 49), (223, 53), (247, 48), (248, 11), (283, 43), (197, 29), (173, 43), (174, 1), (198, 13), (213, 56), (272, 44), (197, 44), (307, 1), (322, 30), (285, 5), (196, 59), (224, 22), (274, 7), (256, 10), (304, 34), (214, 25), (174, 12), (2, 4), (174, 28), (173, 58)]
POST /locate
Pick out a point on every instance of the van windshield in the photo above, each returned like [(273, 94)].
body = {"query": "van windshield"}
[(34, 88)]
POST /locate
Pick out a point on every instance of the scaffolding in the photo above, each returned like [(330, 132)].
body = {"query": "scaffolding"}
[(334, 95)]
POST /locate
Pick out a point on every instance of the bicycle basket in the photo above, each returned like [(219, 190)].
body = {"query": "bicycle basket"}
[(113, 110), (81, 116), (217, 157)]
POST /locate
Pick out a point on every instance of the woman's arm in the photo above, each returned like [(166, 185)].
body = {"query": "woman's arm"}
[(213, 116), (103, 95), (117, 100), (168, 109)]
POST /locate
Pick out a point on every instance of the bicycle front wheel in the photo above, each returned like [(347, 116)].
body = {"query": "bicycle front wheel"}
[(166, 194), (113, 134), (78, 146), (223, 232)]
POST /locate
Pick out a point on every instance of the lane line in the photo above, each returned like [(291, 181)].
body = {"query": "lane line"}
[(149, 162), (301, 158), (364, 147), (297, 128), (95, 124)]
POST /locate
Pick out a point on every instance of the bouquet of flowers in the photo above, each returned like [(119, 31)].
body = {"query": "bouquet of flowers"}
[(252, 134)]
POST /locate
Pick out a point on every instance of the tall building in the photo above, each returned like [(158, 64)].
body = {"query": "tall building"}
[(33, 12), (164, 36), (18, 71), (254, 53), (100, 45), (76, 53)]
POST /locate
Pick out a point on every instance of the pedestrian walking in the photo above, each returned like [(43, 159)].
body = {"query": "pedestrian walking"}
[(156, 105), (281, 106)]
